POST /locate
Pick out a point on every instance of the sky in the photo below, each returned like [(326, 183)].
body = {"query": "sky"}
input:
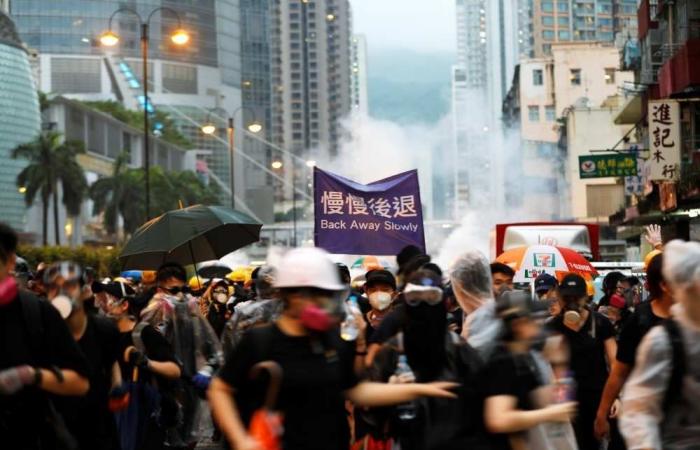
[(422, 25)]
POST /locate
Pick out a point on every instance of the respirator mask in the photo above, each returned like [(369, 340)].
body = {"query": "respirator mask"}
[(66, 277)]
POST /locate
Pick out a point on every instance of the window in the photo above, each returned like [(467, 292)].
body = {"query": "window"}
[(564, 35), (537, 77), (575, 77), (562, 6), (610, 76), (563, 21), (547, 6), (547, 49), (548, 35), (548, 21), (179, 79), (550, 113), (533, 113)]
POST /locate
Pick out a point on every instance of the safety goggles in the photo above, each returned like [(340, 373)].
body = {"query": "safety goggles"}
[(414, 294)]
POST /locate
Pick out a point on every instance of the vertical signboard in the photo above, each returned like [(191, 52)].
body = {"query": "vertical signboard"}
[(664, 162)]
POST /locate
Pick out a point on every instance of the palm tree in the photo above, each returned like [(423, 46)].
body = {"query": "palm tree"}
[(52, 161), (120, 195)]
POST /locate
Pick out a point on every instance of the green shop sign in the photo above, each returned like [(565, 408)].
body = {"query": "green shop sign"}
[(612, 165)]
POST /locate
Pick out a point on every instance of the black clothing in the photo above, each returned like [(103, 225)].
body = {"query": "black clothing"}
[(440, 424), (140, 426), (22, 414), (590, 370), (514, 375), (391, 324), (316, 372), (633, 330), (216, 315), (88, 418)]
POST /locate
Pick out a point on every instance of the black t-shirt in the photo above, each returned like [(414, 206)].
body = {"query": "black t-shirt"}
[(391, 324), (633, 330), (21, 413), (88, 418), (587, 362), (514, 375), (315, 375), (157, 349)]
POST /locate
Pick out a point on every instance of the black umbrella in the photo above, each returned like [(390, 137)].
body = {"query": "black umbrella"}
[(214, 271), (189, 235)]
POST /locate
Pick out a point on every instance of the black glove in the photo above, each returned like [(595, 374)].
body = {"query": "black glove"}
[(138, 359)]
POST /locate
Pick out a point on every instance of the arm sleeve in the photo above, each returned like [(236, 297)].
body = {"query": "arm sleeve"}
[(388, 327), (63, 352), (628, 342), (643, 395)]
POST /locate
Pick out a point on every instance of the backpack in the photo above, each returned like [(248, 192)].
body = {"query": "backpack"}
[(675, 382), (54, 430)]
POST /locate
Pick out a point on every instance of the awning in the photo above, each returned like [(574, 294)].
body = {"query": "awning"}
[(631, 112)]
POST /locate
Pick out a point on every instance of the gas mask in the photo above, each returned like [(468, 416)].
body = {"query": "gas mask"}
[(380, 300), (322, 315), (65, 276), (220, 296), (8, 290), (572, 311)]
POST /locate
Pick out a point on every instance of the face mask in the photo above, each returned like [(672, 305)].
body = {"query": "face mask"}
[(64, 303), (8, 290), (314, 318), (380, 300), (221, 298)]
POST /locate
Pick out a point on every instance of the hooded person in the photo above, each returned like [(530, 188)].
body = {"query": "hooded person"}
[(470, 276), (431, 352), (215, 301), (261, 311), (88, 418), (176, 314), (661, 400), (317, 365)]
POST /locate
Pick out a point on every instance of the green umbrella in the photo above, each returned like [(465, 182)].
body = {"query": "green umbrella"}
[(188, 236)]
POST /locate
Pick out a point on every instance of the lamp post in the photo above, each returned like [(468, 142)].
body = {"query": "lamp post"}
[(253, 127), (277, 165), (179, 37)]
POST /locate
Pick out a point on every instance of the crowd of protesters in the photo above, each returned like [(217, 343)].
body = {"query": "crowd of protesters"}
[(302, 356)]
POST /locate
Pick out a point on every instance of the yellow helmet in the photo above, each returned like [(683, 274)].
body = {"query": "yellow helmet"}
[(148, 276), (197, 283), (239, 275), (649, 257)]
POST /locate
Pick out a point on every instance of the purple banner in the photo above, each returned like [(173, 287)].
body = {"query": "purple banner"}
[(379, 218)]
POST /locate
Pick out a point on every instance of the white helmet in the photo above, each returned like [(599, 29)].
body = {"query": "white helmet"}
[(308, 267)]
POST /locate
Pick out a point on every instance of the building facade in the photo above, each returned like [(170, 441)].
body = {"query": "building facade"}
[(359, 96), (581, 20), (577, 77), (190, 83), (20, 120)]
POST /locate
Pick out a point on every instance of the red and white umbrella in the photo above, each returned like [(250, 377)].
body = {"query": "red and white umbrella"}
[(530, 262)]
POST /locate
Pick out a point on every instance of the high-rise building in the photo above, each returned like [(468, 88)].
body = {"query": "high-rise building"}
[(19, 119), (310, 74), (360, 100), (582, 20), (186, 82)]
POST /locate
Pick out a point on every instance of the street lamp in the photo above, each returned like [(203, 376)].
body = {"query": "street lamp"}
[(253, 127), (278, 165), (179, 37)]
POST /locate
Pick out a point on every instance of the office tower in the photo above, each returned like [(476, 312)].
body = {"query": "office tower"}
[(310, 74), (359, 98), (582, 20), (19, 119)]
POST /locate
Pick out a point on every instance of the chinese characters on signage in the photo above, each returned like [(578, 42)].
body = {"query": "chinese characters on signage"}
[(379, 218), (602, 166), (664, 140)]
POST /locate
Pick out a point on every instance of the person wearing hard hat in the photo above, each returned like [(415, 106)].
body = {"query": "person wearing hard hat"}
[(317, 365)]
